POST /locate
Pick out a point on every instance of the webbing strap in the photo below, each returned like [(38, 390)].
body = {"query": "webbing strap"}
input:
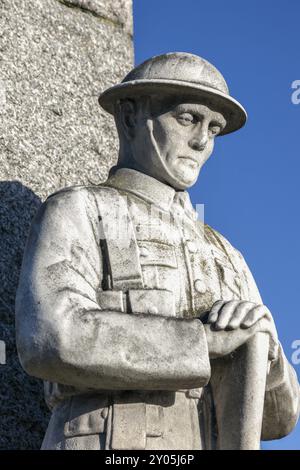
[(128, 424), (117, 232)]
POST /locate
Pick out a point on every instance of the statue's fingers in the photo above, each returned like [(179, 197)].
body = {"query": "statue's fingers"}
[(239, 314), (254, 315), (214, 313), (225, 314)]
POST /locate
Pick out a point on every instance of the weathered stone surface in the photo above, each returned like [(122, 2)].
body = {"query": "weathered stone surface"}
[(135, 332), (117, 11), (55, 58), (22, 412), (54, 62)]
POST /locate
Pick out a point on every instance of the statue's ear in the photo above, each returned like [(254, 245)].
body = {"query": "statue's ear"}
[(127, 117)]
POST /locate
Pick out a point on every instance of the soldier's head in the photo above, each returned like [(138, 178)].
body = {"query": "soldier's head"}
[(168, 112)]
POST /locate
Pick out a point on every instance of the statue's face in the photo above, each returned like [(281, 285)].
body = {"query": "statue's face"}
[(185, 139), (174, 143)]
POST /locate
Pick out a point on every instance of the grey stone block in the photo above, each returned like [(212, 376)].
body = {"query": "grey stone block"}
[(55, 59)]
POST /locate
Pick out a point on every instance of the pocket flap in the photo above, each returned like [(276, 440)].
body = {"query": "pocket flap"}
[(157, 253)]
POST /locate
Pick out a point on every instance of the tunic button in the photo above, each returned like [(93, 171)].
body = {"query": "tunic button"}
[(153, 310), (192, 247), (104, 413), (200, 286), (144, 251)]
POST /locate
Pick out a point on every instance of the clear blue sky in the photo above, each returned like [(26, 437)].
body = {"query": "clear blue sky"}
[(250, 186)]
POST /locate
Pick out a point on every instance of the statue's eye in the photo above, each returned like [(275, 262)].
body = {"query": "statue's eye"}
[(214, 130), (186, 119)]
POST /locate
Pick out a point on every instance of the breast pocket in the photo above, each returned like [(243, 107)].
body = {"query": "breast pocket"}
[(230, 283), (159, 265), (157, 254)]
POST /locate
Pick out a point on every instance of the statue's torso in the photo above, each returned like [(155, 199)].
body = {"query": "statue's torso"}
[(185, 267)]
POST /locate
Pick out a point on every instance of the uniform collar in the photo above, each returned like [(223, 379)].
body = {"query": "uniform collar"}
[(150, 190)]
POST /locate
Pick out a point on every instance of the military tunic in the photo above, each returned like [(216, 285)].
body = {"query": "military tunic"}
[(125, 360)]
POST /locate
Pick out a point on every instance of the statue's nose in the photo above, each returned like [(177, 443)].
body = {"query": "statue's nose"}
[(198, 143)]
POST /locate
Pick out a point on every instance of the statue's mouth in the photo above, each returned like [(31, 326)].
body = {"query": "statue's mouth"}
[(190, 160)]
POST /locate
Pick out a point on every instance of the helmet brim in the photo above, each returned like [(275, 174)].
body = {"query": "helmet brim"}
[(231, 109)]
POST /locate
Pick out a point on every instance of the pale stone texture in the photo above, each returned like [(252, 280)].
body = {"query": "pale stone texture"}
[(56, 56), (120, 286)]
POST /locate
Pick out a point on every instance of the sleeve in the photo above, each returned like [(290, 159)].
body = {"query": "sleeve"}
[(63, 335), (282, 398)]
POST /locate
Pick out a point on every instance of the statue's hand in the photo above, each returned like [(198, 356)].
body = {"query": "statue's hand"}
[(230, 324)]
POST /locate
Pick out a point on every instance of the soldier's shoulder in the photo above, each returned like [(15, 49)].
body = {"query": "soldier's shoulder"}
[(65, 199), (80, 192), (78, 200), (215, 236), (67, 191), (221, 242)]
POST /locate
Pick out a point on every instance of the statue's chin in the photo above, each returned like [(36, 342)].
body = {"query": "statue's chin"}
[(183, 180)]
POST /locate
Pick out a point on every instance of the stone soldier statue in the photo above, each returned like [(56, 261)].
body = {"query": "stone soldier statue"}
[(154, 335)]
